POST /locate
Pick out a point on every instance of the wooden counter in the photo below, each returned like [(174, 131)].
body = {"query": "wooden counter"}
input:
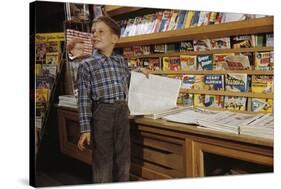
[(164, 150)]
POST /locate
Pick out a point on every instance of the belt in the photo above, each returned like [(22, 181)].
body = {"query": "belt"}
[(110, 101)]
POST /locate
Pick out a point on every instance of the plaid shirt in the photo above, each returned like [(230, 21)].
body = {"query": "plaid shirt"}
[(102, 79)]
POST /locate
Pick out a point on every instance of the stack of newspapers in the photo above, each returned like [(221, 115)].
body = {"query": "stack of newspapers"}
[(217, 120), (68, 101), (262, 127)]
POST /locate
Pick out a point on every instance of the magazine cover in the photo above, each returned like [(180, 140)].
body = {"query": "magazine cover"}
[(261, 105), (202, 100), (220, 43), (262, 84), (264, 61), (188, 63), (205, 62), (236, 82), (235, 103), (79, 44), (219, 62), (237, 62), (214, 82)]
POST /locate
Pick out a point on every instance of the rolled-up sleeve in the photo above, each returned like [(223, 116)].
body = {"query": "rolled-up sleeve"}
[(84, 97)]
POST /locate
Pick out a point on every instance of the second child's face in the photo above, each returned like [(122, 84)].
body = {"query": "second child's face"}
[(102, 37)]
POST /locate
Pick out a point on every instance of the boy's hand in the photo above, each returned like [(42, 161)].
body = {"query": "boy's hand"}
[(145, 71), (84, 137)]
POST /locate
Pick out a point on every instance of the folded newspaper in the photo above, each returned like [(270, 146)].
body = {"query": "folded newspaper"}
[(153, 95)]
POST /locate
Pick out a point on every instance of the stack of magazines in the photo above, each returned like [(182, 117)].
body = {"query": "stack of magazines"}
[(68, 101)]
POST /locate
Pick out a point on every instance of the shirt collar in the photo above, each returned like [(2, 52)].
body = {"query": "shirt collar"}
[(102, 57)]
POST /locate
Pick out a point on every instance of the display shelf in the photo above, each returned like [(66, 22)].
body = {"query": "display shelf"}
[(113, 10), (227, 93), (252, 26), (213, 72), (216, 51)]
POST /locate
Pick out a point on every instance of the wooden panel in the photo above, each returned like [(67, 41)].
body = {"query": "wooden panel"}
[(182, 131), (158, 136), (158, 168), (256, 149), (113, 10), (68, 139), (253, 26), (200, 148), (157, 144), (188, 157), (147, 173), (164, 158), (135, 178)]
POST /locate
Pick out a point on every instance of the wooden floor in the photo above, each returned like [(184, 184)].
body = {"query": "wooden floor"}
[(66, 172)]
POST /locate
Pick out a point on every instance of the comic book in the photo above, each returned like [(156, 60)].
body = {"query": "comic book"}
[(242, 41), (220, 43), (40, 52), (201, 45), (237, 62), (202, 100), (236, 82), (53, 58), (49, 70), (193, 82), (261, 105), (188, 62), (264, 61), (38, 69), (188, 81), (186, 46), (166, 63), (79, 44), (187, 99), (262, 84), (235, 103), (205, 62), (175, 64), (219, 61), (154, 64), (214, 82)]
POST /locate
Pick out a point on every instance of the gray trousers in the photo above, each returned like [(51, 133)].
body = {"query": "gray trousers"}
[(111, 143)]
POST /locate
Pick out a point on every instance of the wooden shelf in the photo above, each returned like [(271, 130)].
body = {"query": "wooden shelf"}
[(213, 72), (118, 10), (253, 26), (216, 51), (228, 93)]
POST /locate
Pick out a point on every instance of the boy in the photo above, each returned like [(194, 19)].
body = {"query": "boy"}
[(103, 87)]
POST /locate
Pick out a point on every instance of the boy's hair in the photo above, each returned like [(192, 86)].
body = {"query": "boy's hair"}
[(112, 24)]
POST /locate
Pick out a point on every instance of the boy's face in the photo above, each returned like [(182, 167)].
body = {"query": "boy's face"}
[(103, 38)]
